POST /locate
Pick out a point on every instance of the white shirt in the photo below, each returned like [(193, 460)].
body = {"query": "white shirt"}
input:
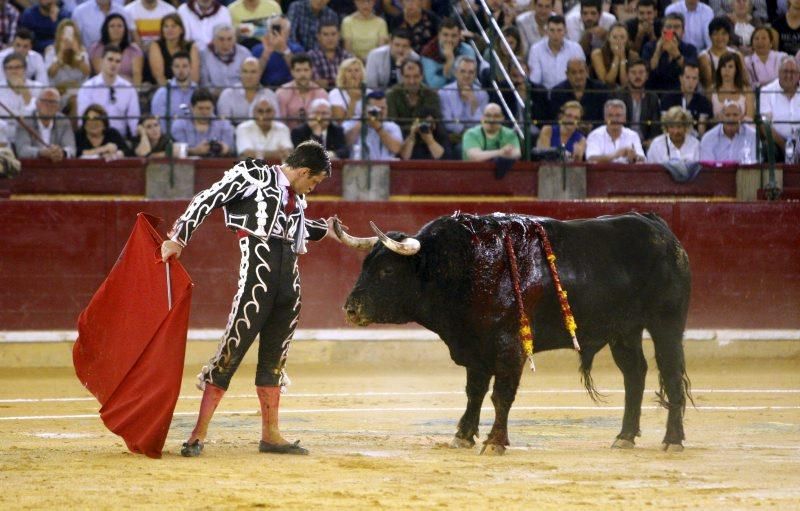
[(548, 68), (45, 131), (663, 150), (695, 30), (599, 143), (17, 104), (784, 112), (125, 106), (529, 29), (201, 31), (34, 66), (249, 137), (148, 22), (575, 28)]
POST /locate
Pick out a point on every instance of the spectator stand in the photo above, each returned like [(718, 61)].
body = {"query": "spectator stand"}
[(524, 131)]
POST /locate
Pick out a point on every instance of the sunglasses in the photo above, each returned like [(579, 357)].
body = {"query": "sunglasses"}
[(112, 94)]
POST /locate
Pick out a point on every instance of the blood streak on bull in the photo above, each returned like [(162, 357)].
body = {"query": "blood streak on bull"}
[(624, 274)]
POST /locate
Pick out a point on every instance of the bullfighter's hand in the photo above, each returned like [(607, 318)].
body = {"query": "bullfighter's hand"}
[(331, 231), (169, 249)]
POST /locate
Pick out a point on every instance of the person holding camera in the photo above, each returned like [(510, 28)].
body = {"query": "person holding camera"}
[(667, 56), (407, 100), (274, 52), (204, 134), (426, 140), (383, 139)]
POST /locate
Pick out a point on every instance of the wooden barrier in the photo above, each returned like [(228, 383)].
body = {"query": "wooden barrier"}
[(54, 255), (406, 178)]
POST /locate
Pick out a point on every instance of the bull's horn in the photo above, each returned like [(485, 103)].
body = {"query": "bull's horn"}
[(352, 241), (409, 246)]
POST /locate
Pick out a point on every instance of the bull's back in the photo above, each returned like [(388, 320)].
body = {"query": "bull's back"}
[(618, 271)]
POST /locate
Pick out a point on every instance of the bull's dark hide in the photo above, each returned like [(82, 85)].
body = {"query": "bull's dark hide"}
[(622, 274)]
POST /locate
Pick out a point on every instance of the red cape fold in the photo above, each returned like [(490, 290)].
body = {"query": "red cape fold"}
[(131, 345)]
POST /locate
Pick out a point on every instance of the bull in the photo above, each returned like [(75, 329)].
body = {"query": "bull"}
[(622, 274)]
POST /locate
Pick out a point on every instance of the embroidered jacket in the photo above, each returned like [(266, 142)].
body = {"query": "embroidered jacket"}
[(251, 198)]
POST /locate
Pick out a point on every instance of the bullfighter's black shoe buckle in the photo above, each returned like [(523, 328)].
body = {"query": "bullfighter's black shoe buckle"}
[(283, 448)]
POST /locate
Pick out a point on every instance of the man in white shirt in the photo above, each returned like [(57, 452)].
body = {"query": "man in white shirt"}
[(199, 19), (548, 58), (588, 24), (780, 102), (730, 140), (146, 15), (532, 24), (614, 143), (113, 93), (34, 63), (17, 92), (696, 17), (90, 15), (263, 137)]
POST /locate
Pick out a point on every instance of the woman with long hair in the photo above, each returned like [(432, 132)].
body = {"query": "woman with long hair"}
[(115, 31), (730, 85), (721, 31), (172, 40), (514, 39), (610, 62), (67, 64), (762, 65), (97, 139), (565, 134), (150, 140), (346, 98)]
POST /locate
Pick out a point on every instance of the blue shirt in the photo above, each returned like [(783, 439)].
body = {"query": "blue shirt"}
[(180, 102), (434, 70), (220, 130), (457, 114), (305, 22), (716, 146), (276, 72), (41, 25)]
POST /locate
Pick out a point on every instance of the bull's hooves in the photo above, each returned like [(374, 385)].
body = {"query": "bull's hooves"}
[(671, 447), (493, 450), (621, 443), (460, 443)]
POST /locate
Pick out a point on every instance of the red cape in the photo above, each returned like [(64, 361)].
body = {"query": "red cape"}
[(131, 345)]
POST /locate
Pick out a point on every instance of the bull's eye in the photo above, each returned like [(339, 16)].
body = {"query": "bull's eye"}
[(386, 272)]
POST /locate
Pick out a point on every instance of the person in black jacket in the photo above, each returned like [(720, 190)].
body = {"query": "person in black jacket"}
[(318, 127), (97, 139), (265, 205)]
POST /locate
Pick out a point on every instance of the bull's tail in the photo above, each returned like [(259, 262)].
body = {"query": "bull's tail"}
[(587, 356), (661, 395)]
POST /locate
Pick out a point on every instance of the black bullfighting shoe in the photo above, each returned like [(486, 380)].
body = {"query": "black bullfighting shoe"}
[(282, 449), (191, 450)]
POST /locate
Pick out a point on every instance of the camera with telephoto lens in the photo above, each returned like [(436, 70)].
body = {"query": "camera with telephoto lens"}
[(214, 148), (424, 127), (374, 111)]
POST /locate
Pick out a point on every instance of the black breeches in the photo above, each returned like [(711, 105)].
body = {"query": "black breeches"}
[(267, 304)]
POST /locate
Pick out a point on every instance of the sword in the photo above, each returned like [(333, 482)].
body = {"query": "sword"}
[(169, 286)]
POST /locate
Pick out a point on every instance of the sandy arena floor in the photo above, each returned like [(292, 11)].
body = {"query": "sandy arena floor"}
[(378, 436)]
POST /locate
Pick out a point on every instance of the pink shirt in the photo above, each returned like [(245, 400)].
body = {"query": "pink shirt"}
[(295, 104)]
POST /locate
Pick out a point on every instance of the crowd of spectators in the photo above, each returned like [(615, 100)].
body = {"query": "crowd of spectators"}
[(604, 81)]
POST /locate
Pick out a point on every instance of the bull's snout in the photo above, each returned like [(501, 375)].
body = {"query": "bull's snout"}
[(354, 314)]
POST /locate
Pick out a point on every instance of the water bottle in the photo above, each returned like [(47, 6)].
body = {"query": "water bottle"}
[(356, 151), (746, 154), (790, 148)]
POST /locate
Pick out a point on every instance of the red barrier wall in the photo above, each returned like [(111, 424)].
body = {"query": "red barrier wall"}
[(127, 177), (53, 256)]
